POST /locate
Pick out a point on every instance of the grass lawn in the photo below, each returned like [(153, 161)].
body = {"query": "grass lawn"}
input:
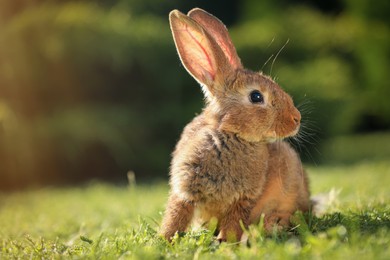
[(104, 221)]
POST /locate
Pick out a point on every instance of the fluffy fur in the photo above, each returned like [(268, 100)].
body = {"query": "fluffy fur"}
[(231, 163)]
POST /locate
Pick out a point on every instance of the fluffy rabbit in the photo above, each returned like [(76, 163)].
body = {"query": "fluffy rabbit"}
[(231, 163)]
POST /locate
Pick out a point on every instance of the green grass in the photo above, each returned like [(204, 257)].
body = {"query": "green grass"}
[(108, 222)]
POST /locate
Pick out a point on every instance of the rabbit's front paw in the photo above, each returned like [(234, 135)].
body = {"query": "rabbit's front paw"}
[(276, 221), (230, 235)]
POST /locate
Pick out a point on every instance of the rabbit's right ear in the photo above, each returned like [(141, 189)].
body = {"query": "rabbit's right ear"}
[(219, 32), (199, 52)]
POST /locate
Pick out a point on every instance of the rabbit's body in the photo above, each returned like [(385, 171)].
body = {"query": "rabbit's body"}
[(215, 167), (231, 163)]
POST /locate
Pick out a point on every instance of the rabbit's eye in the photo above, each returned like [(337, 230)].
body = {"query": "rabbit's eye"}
[(256, 97)]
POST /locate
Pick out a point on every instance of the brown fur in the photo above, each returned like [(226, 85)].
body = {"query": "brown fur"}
[(230, 163)]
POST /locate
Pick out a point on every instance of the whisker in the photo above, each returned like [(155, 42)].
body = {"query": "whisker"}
[(307, 139), (270, 57), (276, 56), (272, 41)]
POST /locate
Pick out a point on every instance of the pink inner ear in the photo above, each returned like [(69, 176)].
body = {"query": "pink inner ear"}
[(230, 57), (224, 42), (207, 56), (219, 32), (195, 49)]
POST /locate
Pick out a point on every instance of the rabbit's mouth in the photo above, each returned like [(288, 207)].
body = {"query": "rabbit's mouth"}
[(274, 137), (288, 125), (295, 132)]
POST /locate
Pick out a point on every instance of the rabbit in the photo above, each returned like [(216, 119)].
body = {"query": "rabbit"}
[(231, 162)]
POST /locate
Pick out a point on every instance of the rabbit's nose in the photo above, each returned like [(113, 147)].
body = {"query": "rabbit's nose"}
[(296, 117)]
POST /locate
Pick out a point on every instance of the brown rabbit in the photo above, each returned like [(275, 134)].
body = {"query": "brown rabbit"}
[(231, 163)]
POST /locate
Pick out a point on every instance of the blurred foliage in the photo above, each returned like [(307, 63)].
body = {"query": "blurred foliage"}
[(353, 148), (92, 89)]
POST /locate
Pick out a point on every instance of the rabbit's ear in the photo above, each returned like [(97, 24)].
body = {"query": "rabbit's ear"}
[(218, 31), (199, 52)]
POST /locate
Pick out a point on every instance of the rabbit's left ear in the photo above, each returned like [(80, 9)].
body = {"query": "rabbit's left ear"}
[(200, 53), (219, 32)]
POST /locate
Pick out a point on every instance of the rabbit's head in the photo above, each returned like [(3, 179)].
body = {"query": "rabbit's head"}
[(247, 103)]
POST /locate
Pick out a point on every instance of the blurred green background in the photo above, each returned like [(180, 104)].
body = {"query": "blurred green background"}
[(94, 89)]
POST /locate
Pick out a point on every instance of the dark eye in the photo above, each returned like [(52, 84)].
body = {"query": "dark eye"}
[(256, 97)]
